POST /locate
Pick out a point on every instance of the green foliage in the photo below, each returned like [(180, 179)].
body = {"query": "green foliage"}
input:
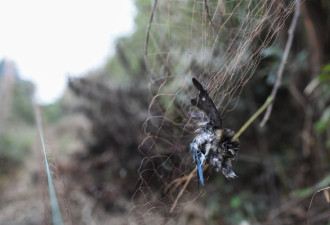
[(235, 202), (53, 112), (308, 191), (303, 192), (22, 109), (322, 85), (14, 146), (17, 131), (324, 122), (325, 74), (128, 62)]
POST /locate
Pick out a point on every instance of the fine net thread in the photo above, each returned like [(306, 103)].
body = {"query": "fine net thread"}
[(223, 54)]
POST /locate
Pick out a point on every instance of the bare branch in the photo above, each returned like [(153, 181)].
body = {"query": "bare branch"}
[(325, 190), (182, 189), (208, 14), (283, 62), (147, 37)]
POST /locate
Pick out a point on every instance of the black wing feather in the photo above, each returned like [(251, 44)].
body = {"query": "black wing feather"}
[(205, 103)]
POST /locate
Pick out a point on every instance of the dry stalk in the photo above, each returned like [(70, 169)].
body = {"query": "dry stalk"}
[(283, 62), (325, 190), (147, 38)]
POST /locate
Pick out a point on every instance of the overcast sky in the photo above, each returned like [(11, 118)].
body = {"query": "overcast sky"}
[(50, 39)]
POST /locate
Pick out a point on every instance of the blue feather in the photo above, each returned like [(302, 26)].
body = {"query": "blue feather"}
[(194, 150), (198, 163), (200, 169)]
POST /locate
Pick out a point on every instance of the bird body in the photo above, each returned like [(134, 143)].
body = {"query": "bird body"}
[(213, 144)]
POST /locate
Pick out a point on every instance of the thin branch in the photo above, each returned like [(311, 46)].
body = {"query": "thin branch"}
[(190, 176), (252, 118), (310, 204), (208, 14), (147, 37), (283, 61)]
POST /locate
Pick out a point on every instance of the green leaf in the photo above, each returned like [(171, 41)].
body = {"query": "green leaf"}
[(326, 68), (302, 192), (324, 122), (324, 77), (235, 202)]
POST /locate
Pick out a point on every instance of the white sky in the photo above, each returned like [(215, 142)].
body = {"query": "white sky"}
[(48, 40)]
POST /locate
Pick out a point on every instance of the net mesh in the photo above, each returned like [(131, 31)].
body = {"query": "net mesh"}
[(218, 42)]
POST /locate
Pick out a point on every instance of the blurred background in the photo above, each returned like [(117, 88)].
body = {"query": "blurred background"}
[(112, 82)]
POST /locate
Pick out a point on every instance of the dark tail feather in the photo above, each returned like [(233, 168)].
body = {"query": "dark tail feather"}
[(205, 103), (198, 86)]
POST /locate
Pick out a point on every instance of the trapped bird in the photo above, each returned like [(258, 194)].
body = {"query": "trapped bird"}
[(213, 144)]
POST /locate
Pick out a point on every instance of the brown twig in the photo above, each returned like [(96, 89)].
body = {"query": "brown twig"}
[(182, 189), (283, 62), (310, 204), (175, 183), (208, 14), (147, 37)]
